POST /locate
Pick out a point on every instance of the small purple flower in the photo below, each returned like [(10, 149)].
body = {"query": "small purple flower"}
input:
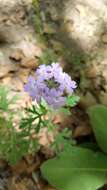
[(52, 84)]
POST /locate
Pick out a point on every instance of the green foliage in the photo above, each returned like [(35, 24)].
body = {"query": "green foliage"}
[(37, 17), (48, 57), (73, 57), (62, 141), (66, 111), (72, 100), (98, 118), (34, 120), (14, 143), (8, 135), (77, 59), (77, 169), (18, 142), (4, 101)]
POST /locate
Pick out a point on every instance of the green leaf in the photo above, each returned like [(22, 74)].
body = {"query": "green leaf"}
[(98, 118), (48, 57), (4, 101), (72, 100), (66, 111), (14, 99), (76, 169), (43, 105), (3, 98), (62, 141)]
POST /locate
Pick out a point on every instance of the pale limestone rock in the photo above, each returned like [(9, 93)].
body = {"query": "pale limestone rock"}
[(6, 68), (87, 24), (31, 63), (16, 31), (17, 55)]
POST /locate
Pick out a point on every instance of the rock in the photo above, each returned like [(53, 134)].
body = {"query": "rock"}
[(17, 55), (104, 74), (63, 120), (92, 71), (68, 26), (23, 74), (84, 31), (3, 71), (6, 68), (88, 100), (16, 84), (10, 34), (48, 29), (29, 63), (82, 130), (82, 28), (81, 10), (54, 14), (6, 80), (104, 38), (23, 101), (17, 34), (105, 87), (57, 46), (103, 98), (20, 14), (2, 58), (29, 46), (3, 184)]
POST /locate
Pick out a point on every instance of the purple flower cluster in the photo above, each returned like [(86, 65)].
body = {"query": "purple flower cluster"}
[(51, 83)]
